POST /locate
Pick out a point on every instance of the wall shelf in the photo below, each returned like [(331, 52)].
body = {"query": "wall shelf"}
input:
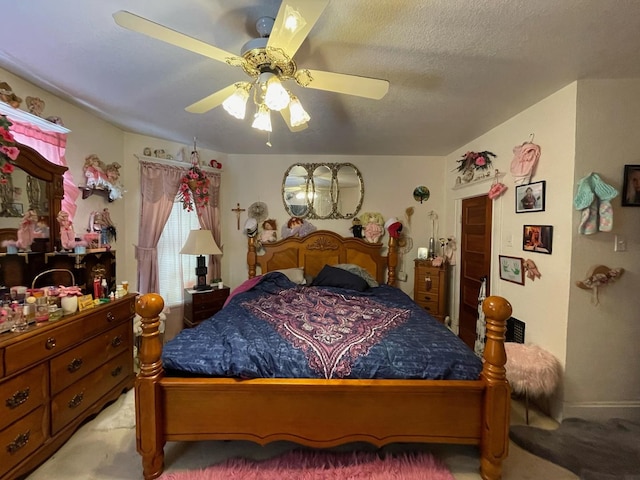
[(26, 117), (496, 176)]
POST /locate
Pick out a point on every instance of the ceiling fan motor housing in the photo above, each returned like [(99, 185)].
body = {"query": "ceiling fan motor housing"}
[(259, 59)]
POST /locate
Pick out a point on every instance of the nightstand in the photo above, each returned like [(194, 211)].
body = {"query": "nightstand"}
[(200, 305), (431, 287)]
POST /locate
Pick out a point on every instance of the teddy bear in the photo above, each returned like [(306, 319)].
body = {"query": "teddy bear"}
[(373, 223), (356, 228), (268, 234)]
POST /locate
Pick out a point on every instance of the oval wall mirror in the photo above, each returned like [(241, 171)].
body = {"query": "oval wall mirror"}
[(322, 190)]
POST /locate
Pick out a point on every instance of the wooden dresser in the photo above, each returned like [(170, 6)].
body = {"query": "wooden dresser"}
[(431, 288), (55, 375)]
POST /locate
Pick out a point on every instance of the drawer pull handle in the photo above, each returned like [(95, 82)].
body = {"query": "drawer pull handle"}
[(116, 371), (428, 283), (74, 365), (427, 297), (428, 309), (18, 398), (19, 442), (76, 400), (50, 344), (116, 342), (110, 317)]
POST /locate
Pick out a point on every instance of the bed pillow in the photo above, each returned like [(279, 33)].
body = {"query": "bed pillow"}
[(337, 277), (361, 272), (296, 275)]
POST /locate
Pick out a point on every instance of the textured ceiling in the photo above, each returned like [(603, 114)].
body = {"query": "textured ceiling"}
[(457, 68)]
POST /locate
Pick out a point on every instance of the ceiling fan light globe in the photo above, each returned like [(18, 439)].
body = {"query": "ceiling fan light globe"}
[(262, 119), (276, 97), (236, 103), (298, 115)]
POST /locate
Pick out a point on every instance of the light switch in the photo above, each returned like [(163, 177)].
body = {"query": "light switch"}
[(620, 243)]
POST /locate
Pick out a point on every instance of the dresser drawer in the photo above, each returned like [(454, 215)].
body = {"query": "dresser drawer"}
[(431, 307), (21, 439), (42, 346), (426, 297), (75, 399), (427, 281), (76, 363), (21, 394), (107, 317)]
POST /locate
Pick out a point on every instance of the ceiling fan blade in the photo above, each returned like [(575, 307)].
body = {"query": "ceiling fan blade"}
[(293, 23), (286, 115), (212, 101), (138, 24), (338, 82)]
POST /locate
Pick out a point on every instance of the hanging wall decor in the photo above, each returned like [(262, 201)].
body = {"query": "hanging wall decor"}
[(537, 238), (531, 197)]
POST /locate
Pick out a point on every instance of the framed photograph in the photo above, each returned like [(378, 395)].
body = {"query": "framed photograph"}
[(530, 198), (423, 253), (631, 186), (511, 269), (537, 238)]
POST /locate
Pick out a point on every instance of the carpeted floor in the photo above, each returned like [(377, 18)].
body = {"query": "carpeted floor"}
[(105, 449), (593, 450)]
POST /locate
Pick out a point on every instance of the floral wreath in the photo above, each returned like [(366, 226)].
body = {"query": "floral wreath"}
[(475, 161), (8, 150), (194, 189)]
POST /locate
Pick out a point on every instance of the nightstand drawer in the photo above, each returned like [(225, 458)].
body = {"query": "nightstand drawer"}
[(199, 306)]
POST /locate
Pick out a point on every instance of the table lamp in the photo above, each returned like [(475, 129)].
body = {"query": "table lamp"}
[(201, 243)]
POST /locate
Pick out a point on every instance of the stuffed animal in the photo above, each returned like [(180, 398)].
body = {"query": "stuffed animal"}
[(356, 228), (373, 223), (297, 227), (269, 233)]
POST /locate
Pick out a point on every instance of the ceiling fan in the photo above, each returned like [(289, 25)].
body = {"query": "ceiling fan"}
[(268, 60)]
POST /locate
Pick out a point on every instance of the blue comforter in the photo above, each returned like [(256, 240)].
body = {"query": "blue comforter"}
[(279, 329)]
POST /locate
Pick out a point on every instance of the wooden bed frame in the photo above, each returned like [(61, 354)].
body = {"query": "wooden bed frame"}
[(316, 412)]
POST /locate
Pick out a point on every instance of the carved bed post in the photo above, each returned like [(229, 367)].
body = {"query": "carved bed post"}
[(149, 436), (392, 261), (251, 257), (495, 432)]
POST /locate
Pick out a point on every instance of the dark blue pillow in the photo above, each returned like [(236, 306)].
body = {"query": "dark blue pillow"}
[(336, 277)]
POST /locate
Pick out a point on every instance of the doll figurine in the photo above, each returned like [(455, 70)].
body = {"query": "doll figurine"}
[(268, 234), (297, 227), (26, 232), (67, 234)]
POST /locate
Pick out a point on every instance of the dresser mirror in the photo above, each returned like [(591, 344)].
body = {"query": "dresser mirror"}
[(322, 190), (35, 184)]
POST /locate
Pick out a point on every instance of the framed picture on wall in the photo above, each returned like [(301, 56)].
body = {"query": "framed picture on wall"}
[(530, 198), (631, 186), (537, 238), (511, 269)]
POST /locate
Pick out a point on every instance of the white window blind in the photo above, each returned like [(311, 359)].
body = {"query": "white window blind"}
[(176, 270)]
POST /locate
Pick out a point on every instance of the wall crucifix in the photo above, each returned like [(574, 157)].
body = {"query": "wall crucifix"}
[(238, 211)]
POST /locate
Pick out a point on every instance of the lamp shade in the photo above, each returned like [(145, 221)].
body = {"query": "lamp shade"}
[(200, 242)]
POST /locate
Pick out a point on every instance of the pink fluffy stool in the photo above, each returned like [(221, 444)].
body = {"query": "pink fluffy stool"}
[(531, 371)]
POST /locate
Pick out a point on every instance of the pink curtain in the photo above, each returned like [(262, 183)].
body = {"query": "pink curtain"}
[(52, 146), (209, 219), (158, 189)]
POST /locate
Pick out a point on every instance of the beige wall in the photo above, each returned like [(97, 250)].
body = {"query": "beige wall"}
[(388, 184), (602, 377)]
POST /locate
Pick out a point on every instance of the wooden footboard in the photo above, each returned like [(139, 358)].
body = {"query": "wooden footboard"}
[(322, 413)]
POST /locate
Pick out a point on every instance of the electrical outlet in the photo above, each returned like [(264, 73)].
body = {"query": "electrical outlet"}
[(620, 244), (402, 276)]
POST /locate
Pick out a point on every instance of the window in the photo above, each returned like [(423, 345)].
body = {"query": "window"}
[(175, 270)]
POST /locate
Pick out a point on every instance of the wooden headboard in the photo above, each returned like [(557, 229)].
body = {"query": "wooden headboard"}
[(321, 248)]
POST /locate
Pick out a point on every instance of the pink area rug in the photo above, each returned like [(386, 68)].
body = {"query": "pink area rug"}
[(320, 465)]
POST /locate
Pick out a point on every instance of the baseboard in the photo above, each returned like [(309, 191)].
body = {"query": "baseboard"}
[(602, 410)]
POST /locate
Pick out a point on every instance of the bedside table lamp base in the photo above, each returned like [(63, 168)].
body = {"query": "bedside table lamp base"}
[(201, 273)]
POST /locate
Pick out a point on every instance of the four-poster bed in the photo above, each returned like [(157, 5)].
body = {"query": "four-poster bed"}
[(320, 412)]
